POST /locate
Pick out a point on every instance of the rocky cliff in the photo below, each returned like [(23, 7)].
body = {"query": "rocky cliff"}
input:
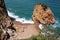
[(13, 30), (5, 20), (43, 14)]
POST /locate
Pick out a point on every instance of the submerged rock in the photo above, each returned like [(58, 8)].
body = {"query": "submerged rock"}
[(43, 14)]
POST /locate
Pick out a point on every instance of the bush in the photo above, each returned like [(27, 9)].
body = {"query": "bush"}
[(40, 37), (1, 31), (43, 5)]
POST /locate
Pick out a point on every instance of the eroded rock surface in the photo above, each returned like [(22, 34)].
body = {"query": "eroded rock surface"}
[(24, 31), (43, 14), (5, 20), (14, 30)]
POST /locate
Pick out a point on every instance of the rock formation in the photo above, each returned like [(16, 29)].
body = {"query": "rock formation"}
[(42, 14), (13, 30), (5, 20)]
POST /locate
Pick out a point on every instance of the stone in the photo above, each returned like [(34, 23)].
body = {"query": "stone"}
[(43, 15)]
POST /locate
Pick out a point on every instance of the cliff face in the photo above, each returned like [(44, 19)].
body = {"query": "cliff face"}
[(3, 10), (14, 30), (5, 20), (42, 14), (3, 14)]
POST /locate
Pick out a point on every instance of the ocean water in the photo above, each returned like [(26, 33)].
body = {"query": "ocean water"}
[(22, 10)]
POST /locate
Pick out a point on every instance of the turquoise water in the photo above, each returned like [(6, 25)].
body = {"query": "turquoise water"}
[(24, 8)]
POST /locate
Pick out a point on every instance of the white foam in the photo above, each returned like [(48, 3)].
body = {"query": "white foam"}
[(41, 26), (56, 24), (23, 20)]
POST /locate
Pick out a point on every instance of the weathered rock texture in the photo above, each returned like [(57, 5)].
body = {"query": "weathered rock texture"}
[(5, 20), (12, 29), (42, 14), (24, 31)]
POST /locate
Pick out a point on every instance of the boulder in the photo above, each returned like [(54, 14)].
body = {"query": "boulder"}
[(43, 14)]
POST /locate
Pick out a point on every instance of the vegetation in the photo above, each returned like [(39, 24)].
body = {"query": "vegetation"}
[(43, 5), (1, 31), (39, 37), (50, 33)]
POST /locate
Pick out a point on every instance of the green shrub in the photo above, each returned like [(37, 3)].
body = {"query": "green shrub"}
[(43, 5), (41, 38), (1, 31), (37, 38)]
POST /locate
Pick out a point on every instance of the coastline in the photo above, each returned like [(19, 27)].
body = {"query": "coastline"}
[(25, 30)]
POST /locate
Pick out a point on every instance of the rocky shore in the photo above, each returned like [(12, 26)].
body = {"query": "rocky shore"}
[(14, 30)]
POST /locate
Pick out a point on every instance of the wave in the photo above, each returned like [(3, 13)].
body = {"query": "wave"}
[(57, 23), (17, 18)]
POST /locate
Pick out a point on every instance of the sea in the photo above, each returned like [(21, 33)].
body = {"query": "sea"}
[(22, 10)]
